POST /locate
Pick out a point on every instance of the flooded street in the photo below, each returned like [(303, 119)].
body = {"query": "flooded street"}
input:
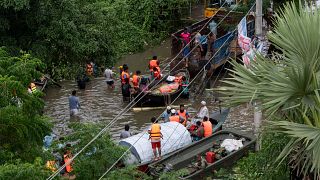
[(100, 104)]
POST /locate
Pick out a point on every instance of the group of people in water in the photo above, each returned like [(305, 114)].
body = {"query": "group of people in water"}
[(204, 45), (132, 85)]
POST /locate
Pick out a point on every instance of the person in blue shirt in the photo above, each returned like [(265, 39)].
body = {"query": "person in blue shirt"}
[(166, 114), (74, 103)]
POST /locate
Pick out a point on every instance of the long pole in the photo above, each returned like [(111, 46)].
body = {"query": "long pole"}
[(257, 110), (258, 21)]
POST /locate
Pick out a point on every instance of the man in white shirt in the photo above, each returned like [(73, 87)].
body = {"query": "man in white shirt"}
[(203, 110), (108, 74)]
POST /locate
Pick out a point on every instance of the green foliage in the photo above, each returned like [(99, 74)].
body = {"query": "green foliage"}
[(289, 87), (262, 164), (72, 32), (22, 127), (19, 170), (128, 173), (174, 175), (98, 157)]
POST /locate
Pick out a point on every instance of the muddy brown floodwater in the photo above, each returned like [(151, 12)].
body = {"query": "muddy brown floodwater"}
[(100, 104)]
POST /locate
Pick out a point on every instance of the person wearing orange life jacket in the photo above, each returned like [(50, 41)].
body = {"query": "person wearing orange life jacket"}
[(156, 73), (207, 126), (136, 80), (67, 160), (33, 87), (89, 69), (155, 135), (175, 118), (154, 62), (184, 114), (125, 74)]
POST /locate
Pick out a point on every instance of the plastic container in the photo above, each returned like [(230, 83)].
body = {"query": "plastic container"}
[(210, 156)]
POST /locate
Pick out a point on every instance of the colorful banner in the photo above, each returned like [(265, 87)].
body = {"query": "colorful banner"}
[(245, 42)]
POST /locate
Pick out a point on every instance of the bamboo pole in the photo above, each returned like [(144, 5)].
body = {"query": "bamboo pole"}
[(139, 109)]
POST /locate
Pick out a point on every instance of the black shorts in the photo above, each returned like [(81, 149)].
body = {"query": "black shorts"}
[(110, 83)]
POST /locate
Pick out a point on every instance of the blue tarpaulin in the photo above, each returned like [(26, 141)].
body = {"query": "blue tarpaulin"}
[(223, 43)]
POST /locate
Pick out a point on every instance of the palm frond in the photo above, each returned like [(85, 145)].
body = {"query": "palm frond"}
[(304, 148)]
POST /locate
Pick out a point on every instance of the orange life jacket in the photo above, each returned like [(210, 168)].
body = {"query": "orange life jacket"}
[(33, 87), (67, 161), (155, 132), (89, 69), (184, 115), (122, 77), (135, 80), (207, 126), (152, 64), (175, 118)]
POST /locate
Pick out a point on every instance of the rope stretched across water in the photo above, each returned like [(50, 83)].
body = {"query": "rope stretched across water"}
[(171, 103), (131, 104)]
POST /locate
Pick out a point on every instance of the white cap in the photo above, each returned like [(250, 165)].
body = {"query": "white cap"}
[(168, 107), (173, 111), (203, 103)]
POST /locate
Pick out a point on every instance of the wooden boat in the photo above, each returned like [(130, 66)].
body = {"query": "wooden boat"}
[(226, 41), (186, 157), (156, 98), (217, 116)]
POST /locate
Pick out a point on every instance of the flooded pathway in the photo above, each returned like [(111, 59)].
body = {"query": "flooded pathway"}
[(100, 104)]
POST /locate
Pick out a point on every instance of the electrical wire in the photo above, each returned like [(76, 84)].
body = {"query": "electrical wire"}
[(129, 105), (172, 103)]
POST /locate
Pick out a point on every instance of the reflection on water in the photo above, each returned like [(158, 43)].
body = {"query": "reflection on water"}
[(100, 104)]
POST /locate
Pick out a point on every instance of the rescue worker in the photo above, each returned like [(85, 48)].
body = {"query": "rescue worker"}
[(89, 69), (203, 110), (155, 136), (120, 71), (156, 73), (207, 126), (74, 103), (126, 90), (154, 62), (67, 160), (108, 74), (185, 89), (33, 87), (166, 114), (126, 133), (125, 74), (136, 80), (143, 85), (198, 132), (176, 118), (184, 114)]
